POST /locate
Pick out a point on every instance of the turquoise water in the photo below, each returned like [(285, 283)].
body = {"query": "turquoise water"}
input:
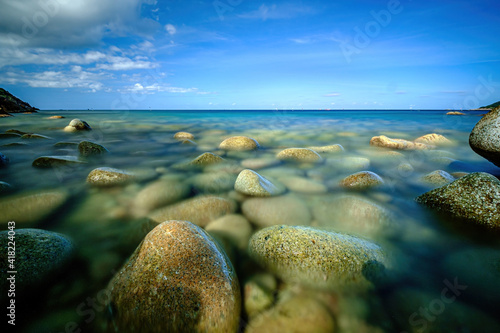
[(430, 252)]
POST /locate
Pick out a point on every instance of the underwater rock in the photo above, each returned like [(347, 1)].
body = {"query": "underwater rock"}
[(206, 159), (438, 177), (433, 140), (362, 180), (318, 258), (104, 177), (251, 183), (183, 136), (239, 143), (4, 160), (35, 136), (158, 194), (328, 149), (386, 142), (87, 148), (305, 155), (234, 228), (77, 125), (474, 197), (177, 280), (55, 161), (303, 185), (258, 293), (484, 138)]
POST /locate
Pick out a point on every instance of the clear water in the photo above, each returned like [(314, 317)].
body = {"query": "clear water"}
[(431, 252)]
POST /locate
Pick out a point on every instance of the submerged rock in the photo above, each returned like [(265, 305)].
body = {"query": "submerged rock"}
[(305, 155), (55, 161), (303, 185), (199, 210), (183, 136), (87, 148), (206, 159), (39, 255), (213, 182), (239, 143), (328, 149), (386, 142), (474, 197), (362, 180), (104, 177), (5, 187), (438, 177), (158, 194), (258, 293), (4, 160), (55, 117), (455, 113), (35, 136), (318, 258), (77, 125), (9, 136), (177, 280), (251, 183), (232, 227), (484, 138), (28, 209), (434, 140)]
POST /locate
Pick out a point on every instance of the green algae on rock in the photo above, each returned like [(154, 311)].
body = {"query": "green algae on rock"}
[(318, 258), (474, 197), (301, 155), (438, 177), (56, 161), (39, 255), (177, 280), (206, 159), (104, 177), (239, 143), (87, 148)]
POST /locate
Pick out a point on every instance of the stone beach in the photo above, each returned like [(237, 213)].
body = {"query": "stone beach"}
[(232, 223)]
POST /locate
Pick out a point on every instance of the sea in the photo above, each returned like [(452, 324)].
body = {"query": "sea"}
[(446, 276)]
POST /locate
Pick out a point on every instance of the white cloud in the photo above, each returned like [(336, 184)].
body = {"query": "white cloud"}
[(274, 12), (332, 94), (170, 29), (123, 63), (153, 88)]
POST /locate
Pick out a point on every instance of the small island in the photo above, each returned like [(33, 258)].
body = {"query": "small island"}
[(11, 104)]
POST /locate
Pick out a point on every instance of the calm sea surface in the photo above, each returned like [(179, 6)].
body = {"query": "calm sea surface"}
[(432, 254)]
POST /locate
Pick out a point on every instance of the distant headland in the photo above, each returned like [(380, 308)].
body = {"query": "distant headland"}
[(11, 104)]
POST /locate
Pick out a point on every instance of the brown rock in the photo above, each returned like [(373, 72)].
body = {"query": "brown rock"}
[(251, 183), (433, 140), (108, 177), (299, 155), (239, 143), (362, 180), (183, 136), (206, 159), (384, 141)]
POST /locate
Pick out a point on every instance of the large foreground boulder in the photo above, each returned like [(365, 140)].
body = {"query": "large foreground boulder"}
[(485, 137)]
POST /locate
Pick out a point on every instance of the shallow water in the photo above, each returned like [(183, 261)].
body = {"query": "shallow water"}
[(430, 252)]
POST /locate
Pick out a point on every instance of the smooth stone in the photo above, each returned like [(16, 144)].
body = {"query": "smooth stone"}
[(354, 215), (15, 144), (55, 117), (105, 176), (186, 142), (434, 140), (349, 163), (305, 155), (206, 159), (303, 185), (386, 142), (438, 177), (39, 255), (234, 228), (4, 160), (251, 183), (474, 198), (484, 138), (5, 187), (35, 136), (362, 180), (199, 210), (177, 280), (55, 161), (87, 148), (317, 258), (77, 125), (66, 144), (296, 314), (258, 163), (239, 143), (158, 194), (328, 149), (281, 210), (183, 136), (15, 131), (455, 113), (258, 293), (212, 182), (9, 136)]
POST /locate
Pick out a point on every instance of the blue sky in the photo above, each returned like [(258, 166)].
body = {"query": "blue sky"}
[(242, 54)]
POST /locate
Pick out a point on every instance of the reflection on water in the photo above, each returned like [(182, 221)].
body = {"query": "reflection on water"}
[(432, 288)]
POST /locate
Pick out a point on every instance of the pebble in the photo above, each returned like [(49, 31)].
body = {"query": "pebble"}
[(303, 185), (258, 163), (305, 155), (386, 142), (362, 180), (104, 177), (318, 258), (87, 148), (234, 228), (212, 182), (239, 143), (251, 183), (438, 178), (177, 280), (199, 210), (35, 136), (206, 159), (183, 136), (434, 140), (258, 293), (286, 210), (56, 161), (77, 125), (474, 198), (328, 149), (158, 194)]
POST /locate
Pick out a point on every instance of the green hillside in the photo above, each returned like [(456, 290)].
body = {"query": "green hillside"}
[(11, 104)]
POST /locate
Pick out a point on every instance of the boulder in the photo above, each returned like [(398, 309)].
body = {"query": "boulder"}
[(362, 180), (206, 159), (77, 125), (305, 155), (386, 142), (251, 183), (104, 177), (87, 148), (239, 143), (484, 138)]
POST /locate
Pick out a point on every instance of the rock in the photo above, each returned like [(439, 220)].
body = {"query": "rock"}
[(183, 136), (455, 113), (258, 293), (158, 194), (55, 117), (303, 185), (29, 208), (15, 144), (438, 177), (35, 136), (299, 155), (258, 163), (4, 160), (104, 177), (213, 182), (362, 180), (87, 148), (328, 149), (317, 258), (251, 183), (384, 141), (485, 137), (354, 215), (474, 198), (77, 125), (433, 140), (234, 228), (39, 255), (15, 131), (177, 280), (206, 159), (199, 210), (63, 144), (265, 212), (297, 314), (9, 136), (239, 143), (5, 187), (55, 161), (186, 142), (349, 163)]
